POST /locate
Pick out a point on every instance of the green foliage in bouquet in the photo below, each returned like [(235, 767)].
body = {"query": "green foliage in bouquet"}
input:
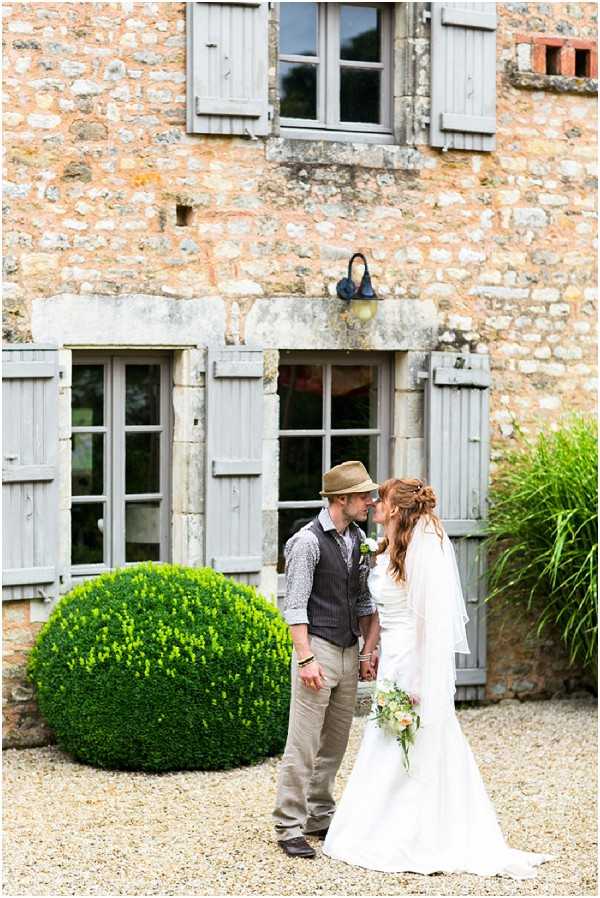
[(543, 534), (159, 667)]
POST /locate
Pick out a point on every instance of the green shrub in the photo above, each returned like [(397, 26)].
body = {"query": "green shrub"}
[(160, 667), (543, 534)]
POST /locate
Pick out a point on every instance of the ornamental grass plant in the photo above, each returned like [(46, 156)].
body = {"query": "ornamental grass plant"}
[(543, 535), (159, 667)]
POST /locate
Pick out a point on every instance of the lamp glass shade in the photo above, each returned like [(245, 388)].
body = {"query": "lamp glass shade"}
[(363, 309)]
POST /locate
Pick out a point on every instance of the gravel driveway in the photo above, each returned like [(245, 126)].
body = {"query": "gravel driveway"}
[(74, 830)]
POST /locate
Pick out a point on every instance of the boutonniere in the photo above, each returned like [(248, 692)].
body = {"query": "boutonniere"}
[(369, 546)]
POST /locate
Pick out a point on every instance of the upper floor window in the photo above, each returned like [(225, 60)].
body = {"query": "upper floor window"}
[(335, 70)]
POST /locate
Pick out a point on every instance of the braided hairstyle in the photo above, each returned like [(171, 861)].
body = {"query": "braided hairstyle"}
[(409, 501)]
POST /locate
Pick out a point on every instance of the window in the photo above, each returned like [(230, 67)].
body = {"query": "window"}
[(335, 67), (121, 434), (332, 408)]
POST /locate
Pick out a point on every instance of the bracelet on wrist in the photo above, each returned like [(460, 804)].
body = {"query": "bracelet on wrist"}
[(306, 661)]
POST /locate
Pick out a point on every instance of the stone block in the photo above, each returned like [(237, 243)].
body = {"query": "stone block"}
[(270, 473), (128, 320), (267, 586), (409, 458), (271, 370), (188, 477), (408, 366), (270, 536), (188, 539), (189, 409), (408, 414), (271, 416), (189, 368)]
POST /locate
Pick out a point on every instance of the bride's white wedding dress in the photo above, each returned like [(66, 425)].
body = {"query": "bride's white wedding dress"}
[(437, 817)]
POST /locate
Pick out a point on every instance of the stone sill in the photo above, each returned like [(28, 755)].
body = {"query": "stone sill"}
[(561, 84), (328, 152)]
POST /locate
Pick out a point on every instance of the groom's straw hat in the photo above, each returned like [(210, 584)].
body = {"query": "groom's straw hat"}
[(349, 477)]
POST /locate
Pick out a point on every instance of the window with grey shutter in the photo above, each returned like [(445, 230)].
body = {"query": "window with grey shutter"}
[(29, 475), (227, 68), (120, 461), (234, 439), (335, 69), (457, 452), (463, 76)]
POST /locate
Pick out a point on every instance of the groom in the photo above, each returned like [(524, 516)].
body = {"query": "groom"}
[(327, 606)]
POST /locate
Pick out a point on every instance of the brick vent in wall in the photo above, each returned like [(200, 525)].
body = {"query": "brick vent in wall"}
[(547, 54)]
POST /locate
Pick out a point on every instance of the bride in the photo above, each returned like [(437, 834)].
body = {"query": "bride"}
[(436, 817)]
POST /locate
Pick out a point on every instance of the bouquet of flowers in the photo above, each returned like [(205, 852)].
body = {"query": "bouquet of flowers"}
[(395, 713)]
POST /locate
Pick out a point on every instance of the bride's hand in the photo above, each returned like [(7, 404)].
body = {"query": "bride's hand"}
[(366, 671)]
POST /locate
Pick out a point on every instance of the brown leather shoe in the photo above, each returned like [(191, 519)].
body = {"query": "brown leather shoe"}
[(318, 833), (297, 847)]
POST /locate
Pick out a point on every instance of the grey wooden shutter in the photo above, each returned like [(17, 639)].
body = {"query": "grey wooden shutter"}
[(227, 68), (29, 475), (457, 453), (234, 388), (463, 76)]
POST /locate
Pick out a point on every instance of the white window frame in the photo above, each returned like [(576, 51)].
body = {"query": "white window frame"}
[(114, 429), (328, 124)]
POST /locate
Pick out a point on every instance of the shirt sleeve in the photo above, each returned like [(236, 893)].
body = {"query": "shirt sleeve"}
[(365, 604), (301, 557)]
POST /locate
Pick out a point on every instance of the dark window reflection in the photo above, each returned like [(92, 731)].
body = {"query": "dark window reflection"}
[(87, 464), (87, 396), (355, 448), (360, 34), (300, 389), (142, 531), (300, 468), (142, 463), (353, 396), (298, 29), (298, 90), (142, 394), (86, 533), (360, 91), (290, 521)]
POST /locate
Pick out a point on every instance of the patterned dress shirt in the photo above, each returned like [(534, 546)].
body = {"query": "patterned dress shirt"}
[(301, 558)]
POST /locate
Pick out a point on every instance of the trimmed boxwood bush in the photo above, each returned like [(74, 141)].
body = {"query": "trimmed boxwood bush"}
[(160, 667)]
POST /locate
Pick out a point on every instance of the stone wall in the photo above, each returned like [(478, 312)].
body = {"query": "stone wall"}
[(500, 245)]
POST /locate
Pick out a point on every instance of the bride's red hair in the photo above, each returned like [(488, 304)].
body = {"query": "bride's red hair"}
[(409, 501)]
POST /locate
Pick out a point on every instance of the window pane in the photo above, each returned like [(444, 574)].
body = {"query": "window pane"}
[(300, 390), (142, 394), (142, 463), (355, 448), (298, 90), (300, 468), (353, 396), (291, 520), (298, 29), (87, 464), (360, 96), (87, 396), (142, 531), (86, 533), (360, 34)]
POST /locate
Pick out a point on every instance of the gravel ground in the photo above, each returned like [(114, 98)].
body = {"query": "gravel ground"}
[(74, 830)]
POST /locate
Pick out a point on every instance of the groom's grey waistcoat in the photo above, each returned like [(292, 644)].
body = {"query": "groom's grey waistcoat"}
[(331, 607)]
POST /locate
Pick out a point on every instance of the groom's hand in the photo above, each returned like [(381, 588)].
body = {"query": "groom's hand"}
[(313, 676)]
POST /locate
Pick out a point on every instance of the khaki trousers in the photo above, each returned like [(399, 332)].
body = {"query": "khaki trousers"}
[(318, 732)]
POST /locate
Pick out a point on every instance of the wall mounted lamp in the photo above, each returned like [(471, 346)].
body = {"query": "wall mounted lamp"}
[(362, 300)]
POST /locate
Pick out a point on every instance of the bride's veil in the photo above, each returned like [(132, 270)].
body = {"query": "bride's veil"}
[(436, 598)]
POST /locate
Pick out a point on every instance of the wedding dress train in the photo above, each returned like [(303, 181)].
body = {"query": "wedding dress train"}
[(436, 817)]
